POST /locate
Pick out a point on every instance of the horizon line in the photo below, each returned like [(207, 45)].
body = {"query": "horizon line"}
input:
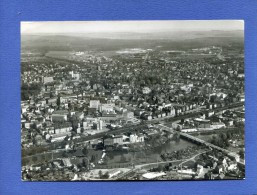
[(141, 26)]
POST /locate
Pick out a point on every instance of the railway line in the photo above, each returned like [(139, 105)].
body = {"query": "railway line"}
[(166, 120)]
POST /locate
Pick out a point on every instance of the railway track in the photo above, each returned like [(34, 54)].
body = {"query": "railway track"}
[(167, 120)]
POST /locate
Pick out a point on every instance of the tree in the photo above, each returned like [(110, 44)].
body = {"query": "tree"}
[(207, 175), (106, 175), (92, 158), (74, 121), (34, 159), (86, 163), (66, 138), (241, 154), (228, 135), (43, 157), (223, 136), (85, 151), (176, 136), (123, 158), (166, 168), (25, 161), (111, 156), (160, 168), (178, 128), (64, 155), (58, 102), (100, 173), (32, 89)]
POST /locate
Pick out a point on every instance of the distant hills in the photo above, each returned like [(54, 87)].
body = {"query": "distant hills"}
[(115, 41)]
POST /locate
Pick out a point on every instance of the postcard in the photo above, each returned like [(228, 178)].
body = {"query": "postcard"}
[(132, 100)]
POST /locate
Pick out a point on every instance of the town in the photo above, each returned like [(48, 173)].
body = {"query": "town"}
[(153, 112)]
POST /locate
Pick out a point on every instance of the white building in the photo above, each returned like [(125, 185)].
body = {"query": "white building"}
[(153, 175), (187, 172), (133, 138), (94, 104), (146, 90), (48, 80), (106, 107), (85, 125), (188, 130), (218, 125), (76, 76)]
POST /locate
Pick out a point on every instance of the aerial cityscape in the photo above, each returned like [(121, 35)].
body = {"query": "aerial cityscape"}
[(132, 100)]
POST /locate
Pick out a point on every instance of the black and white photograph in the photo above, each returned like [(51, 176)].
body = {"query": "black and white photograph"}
[(132, 100)]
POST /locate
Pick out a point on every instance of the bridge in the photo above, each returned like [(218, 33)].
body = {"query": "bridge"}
[(200, 141), (55, 145)]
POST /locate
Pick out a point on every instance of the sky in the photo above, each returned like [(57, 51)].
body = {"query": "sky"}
[(62, 27)]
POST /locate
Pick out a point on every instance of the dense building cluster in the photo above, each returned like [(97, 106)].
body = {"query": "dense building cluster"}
[(83, 94)]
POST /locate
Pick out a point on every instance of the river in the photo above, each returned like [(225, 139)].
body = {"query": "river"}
[(147, 156)]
